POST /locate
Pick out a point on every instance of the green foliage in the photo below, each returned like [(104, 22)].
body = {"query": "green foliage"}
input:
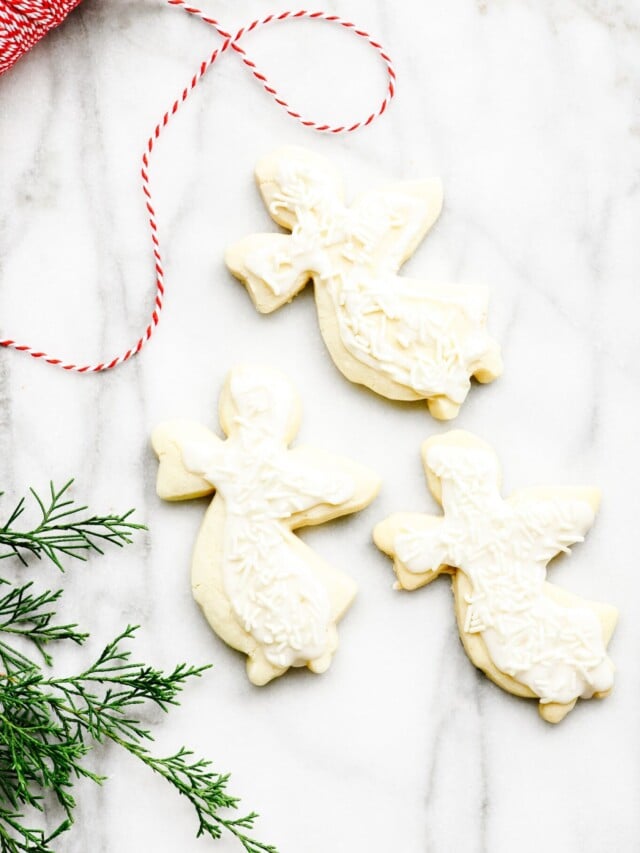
[(63, 530), (48, 724)]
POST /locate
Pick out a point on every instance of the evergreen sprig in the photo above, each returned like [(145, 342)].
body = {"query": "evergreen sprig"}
[(49, 724), (63, 531)]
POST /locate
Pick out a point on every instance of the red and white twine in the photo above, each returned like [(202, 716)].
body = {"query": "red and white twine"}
[(229, 41), (24, 22)]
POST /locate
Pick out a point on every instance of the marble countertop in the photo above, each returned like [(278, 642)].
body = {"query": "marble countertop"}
[(530, 113)]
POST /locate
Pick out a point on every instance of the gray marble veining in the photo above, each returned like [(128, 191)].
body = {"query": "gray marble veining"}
[(530, 112)]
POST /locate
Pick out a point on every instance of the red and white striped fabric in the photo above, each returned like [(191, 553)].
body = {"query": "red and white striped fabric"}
[(229, 42)]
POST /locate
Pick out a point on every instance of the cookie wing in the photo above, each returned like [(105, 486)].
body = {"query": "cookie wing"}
[(391, 221), (177, 482), (266, 266), (554, 519), (320, 486)]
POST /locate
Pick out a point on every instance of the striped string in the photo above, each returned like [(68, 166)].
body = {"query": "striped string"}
[(230, 42), (24, 22)]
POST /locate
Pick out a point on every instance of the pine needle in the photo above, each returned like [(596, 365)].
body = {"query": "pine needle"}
[(48, 725)]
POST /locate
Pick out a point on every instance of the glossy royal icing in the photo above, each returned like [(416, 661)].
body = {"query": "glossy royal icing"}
[(282, 598), (550, 643), (405, 338)]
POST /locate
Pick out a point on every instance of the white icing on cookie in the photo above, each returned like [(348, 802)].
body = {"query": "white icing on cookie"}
[(503, 547), (272, 590), (425, 337), (247, 561)]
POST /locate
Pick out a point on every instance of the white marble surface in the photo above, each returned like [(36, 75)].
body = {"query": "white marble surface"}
[(529, 111)]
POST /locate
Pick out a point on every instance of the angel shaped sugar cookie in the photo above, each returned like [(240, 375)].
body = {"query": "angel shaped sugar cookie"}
[(404, 338), (532, 638), (263, 591)]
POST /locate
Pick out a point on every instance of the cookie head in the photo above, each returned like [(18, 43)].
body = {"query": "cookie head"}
[(263, 398), (295, 183), (470, 454)]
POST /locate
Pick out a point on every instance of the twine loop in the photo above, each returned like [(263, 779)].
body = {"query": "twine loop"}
[(23, 22)]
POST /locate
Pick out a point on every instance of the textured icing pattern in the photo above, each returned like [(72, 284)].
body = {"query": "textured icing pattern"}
[(261, 588), (272, 589), (503, 547), (427, 338)]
